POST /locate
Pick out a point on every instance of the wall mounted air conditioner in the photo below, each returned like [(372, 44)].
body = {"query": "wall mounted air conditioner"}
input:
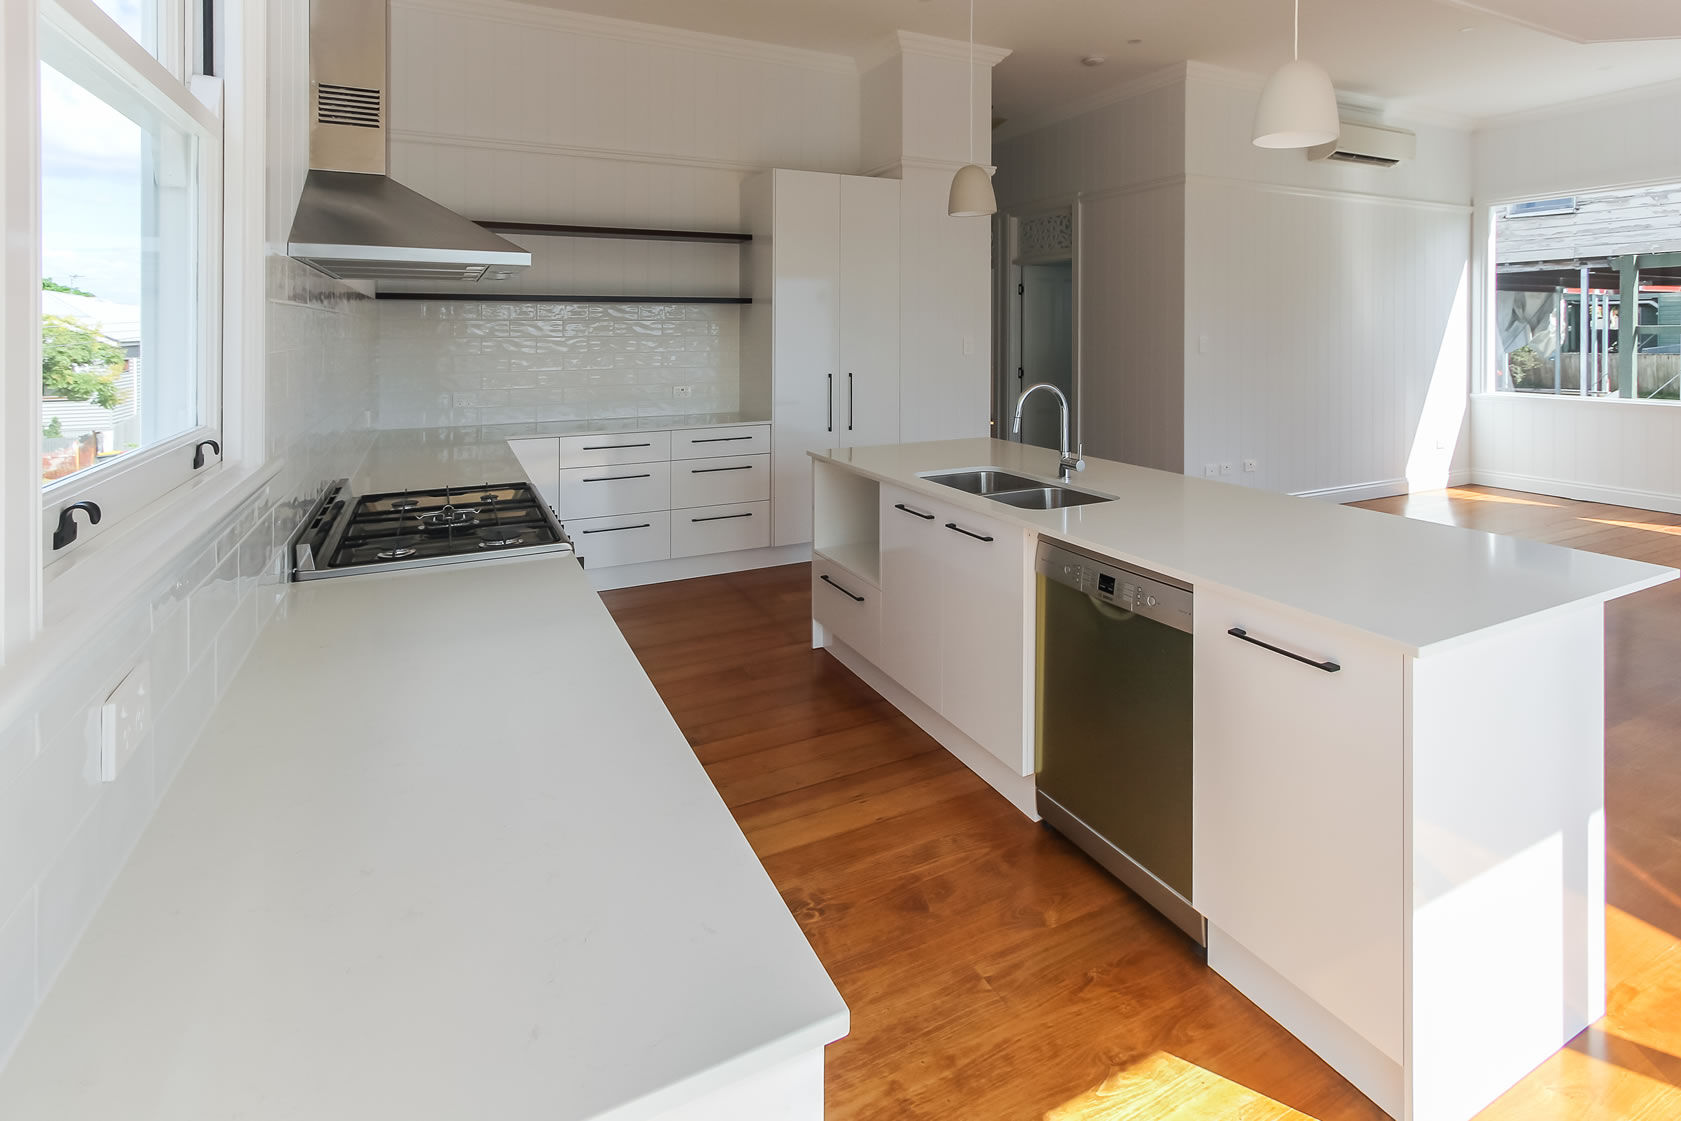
[(1372, 145)]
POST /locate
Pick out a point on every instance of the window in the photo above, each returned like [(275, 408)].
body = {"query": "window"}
[(130, 188), (1587, 295)]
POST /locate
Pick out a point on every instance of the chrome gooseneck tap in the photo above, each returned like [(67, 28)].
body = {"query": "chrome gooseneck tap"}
[(1070, 462)]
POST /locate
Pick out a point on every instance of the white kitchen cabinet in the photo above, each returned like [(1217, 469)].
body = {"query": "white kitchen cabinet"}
[(826, 259), (957, 619), (699, 443), (623, 488), (986, 635), (720, 529), (847, 605), (720, 479), (911, 583), (622, 538), (622, 447), (1299, 816)]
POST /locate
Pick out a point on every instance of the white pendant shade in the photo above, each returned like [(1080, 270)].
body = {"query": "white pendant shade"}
[(971, 193), (1298, 108)]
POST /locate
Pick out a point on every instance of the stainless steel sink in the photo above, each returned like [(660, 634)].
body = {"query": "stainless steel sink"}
[(983, 481), (1045, 498), (1015, 490)]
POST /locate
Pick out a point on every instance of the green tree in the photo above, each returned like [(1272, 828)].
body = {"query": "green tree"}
[(48, 284), (78, 364), (54, 430)]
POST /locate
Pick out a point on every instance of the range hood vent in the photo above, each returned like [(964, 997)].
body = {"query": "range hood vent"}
[(354, 221)]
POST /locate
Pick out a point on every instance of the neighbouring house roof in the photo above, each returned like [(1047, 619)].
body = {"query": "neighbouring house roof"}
[(1603, 225), (119, 323)]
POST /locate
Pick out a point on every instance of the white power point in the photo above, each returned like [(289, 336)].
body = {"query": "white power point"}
[(1225, 469), (682, 391), (124, 720), (1211, 470)]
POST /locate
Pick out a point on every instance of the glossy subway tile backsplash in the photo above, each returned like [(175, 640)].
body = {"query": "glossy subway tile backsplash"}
[(458, 363)]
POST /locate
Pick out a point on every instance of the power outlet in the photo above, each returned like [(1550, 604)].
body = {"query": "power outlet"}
[(124, 721), (1249, 466), (1211, 470), (682, 391), (1225, 469)]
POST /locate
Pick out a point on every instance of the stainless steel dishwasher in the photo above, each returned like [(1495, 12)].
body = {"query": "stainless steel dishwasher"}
[(1114, 722)]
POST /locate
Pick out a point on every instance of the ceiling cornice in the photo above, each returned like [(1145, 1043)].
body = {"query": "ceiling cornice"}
[(647, 34), (1661, 91), (902, 43)]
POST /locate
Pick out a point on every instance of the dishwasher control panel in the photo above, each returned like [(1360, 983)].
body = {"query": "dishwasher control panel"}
[(1146, 594)]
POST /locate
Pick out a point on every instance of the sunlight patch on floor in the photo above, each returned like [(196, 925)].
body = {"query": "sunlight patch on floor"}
[(1165, 1087), (1650, 527), (1459, 494)]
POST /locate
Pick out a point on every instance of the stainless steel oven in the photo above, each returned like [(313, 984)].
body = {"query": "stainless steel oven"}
[(1114, 722)]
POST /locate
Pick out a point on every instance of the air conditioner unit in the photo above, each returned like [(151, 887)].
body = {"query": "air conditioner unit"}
[(1372, 145)]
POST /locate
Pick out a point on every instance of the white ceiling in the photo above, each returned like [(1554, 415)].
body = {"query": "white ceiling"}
[(1450, 57)]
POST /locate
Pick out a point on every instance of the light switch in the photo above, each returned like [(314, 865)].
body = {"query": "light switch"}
[(124, 720), (968, 346)]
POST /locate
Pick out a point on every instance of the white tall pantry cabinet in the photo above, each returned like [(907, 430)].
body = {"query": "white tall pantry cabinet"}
[(821, 338)]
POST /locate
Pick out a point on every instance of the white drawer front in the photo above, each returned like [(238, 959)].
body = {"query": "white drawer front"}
[(626, 539), (848, 606), (720, 529), (598, 492), (694, 443), (715, 482), (623, 447)]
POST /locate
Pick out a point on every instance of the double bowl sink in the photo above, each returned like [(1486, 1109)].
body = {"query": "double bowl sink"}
[(1019, 491)]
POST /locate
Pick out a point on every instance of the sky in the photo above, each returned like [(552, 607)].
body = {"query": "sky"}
[(91, 181)]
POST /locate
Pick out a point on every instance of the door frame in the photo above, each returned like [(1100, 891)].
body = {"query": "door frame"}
[(1008, 259)]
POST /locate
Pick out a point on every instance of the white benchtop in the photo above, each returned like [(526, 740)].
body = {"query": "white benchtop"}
[(1420, 585), (441, 855)]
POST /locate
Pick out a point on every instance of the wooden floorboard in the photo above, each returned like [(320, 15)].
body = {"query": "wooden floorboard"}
[(995, 973)]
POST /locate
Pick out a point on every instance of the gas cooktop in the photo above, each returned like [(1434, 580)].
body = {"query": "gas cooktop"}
[(348, 535)]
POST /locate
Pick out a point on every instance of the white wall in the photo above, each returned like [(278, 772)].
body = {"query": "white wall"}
[(1125, 163), (1327, 322), (1612, 451), (63, 835), (1241, 304)]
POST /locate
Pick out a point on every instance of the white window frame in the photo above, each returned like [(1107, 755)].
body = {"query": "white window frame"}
[(113, 66)]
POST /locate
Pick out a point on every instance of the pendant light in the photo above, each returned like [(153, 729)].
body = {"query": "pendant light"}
[(1299, 105), (971, 187)]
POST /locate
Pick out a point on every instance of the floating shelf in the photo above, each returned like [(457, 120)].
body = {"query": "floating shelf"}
[(546, 298), (620, 233)]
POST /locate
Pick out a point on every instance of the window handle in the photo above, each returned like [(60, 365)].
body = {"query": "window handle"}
[(198, 454), (66, 531)]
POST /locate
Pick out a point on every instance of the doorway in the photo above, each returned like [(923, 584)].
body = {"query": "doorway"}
[(1039, 315)]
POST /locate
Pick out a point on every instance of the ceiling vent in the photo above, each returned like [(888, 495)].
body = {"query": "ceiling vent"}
[(1370, 145)]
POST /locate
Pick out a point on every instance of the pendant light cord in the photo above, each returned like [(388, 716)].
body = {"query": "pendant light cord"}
[(969, 125), (1296, 47)]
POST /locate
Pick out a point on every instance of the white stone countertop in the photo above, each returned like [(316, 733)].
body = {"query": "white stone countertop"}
[(441, 855), (1420, 585), (417, 458)]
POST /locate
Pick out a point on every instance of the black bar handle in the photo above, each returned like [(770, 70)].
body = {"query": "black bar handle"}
[(198, 452), (913, 513), (849, 410), (715, 470), (720, 439), (66, 531), (619, 528), (831, 402), (612, 447), (841, 590), (1328, 667), (615, 478), (967, 533), (722, 517)]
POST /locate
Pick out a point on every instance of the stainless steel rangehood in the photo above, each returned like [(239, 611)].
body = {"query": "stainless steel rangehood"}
[(354, 221)]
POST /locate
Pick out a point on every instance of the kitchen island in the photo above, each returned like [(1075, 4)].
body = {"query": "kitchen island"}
[(1397, 825), (441, 854)]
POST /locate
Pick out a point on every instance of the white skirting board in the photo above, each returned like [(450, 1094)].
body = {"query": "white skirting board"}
[(689, 568), (1581, 492), (1018, 789), (1382, 488)]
